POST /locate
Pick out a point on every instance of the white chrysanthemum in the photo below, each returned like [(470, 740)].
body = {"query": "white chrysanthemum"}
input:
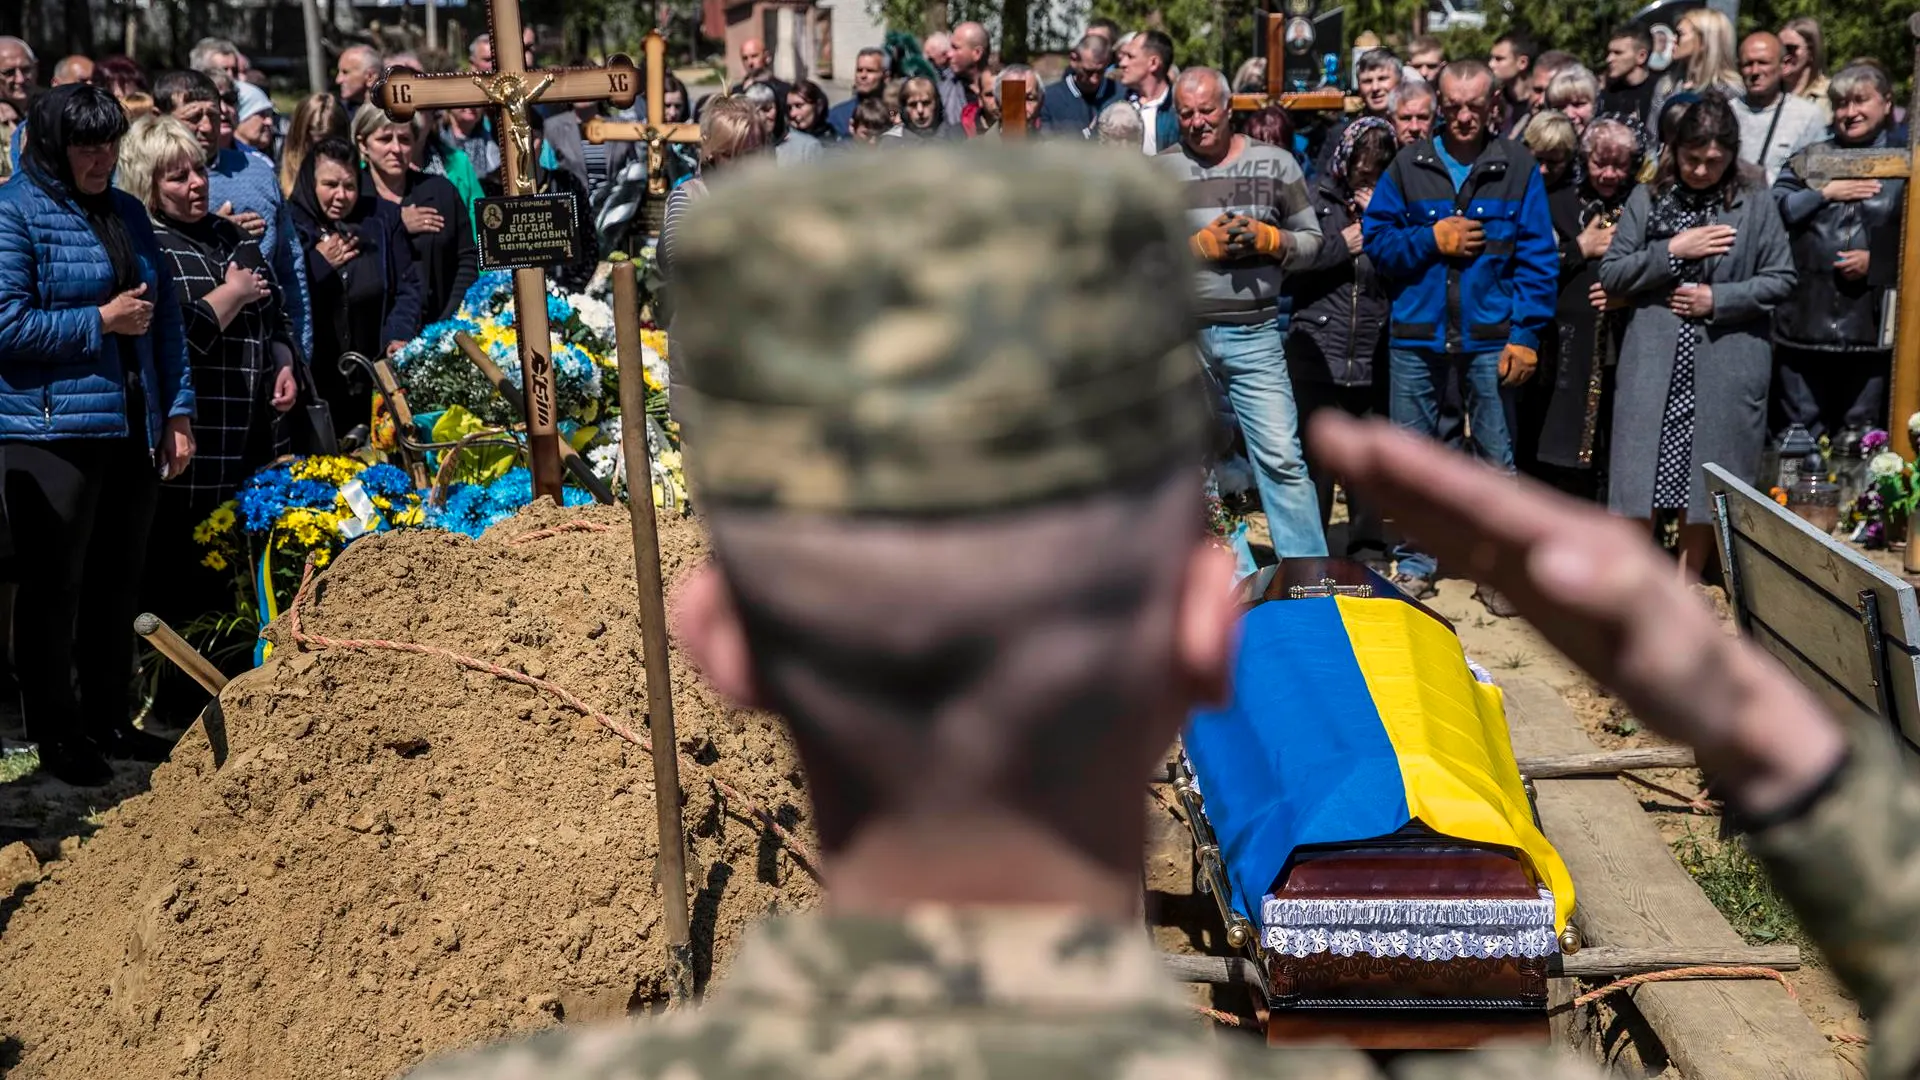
[(1885, 464)]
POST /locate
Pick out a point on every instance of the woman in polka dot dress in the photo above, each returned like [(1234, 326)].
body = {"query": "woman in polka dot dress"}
[(1701, 259)]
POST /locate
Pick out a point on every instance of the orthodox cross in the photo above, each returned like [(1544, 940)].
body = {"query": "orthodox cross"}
[(656, 132), (1817, 166), (508, 91)]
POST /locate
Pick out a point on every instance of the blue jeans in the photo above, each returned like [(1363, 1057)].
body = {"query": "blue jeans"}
[(1251, 363), (1417, 378)]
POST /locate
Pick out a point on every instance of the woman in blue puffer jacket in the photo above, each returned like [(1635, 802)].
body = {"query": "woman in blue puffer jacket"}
[(96, 408)]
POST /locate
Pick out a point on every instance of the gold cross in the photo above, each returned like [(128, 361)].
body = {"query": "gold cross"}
[(655, 132), (508, 91)]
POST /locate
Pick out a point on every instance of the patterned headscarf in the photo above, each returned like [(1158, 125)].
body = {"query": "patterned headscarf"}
[(1343, 154)]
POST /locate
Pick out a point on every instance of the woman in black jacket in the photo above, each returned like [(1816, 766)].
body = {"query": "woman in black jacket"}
[(1831, 347), (1336, 342), (438, 226), (1564, 411), (360, 270)]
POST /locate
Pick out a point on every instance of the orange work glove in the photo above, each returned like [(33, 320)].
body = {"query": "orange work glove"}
[(1516, 364), (1251, 236), (1213, 243), (1459, 237)]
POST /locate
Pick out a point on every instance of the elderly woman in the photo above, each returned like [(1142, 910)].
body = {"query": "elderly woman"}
[(1336, 336), (1572, 93), (1701, 259), (790, 146), (438, 227), (366, 291), (1564, 411), (96, 409), (240, 345), (1120, 124), (1830, 340)]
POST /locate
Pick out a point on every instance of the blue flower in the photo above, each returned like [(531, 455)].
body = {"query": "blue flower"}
[(314, 494), (386, 480)]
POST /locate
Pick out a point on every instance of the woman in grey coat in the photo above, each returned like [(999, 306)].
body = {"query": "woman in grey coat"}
[(1700, 258)]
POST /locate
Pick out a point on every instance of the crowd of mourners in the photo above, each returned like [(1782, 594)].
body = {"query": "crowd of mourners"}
[(1604, 276)]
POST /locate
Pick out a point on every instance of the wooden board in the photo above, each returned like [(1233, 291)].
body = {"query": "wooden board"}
[(1633, 894), (1797, 591)]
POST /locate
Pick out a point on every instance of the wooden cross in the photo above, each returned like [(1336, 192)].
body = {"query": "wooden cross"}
[(656, 132), (1816, 166), (1013, 124), (508, 91), (1330, 100)]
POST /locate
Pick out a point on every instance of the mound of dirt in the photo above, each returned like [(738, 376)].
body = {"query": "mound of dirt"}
[(399, 856)]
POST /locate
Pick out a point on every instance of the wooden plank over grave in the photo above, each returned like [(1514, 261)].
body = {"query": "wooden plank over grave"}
[(1632, 894)]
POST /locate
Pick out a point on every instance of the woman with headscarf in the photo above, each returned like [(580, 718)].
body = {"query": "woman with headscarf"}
[(96, 408), (1701, 260), (360, 269), (1565, 410), (1336, 340)]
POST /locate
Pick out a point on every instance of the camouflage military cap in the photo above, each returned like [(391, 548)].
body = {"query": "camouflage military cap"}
[(936, 331)]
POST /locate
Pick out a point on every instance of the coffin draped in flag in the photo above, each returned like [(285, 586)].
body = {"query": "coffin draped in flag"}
[(1356, 719)]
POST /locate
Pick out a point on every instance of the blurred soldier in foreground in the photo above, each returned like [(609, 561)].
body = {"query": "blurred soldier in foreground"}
[(955, 506)]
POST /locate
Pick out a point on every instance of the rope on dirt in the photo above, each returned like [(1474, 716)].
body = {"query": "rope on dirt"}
[(1703, 972), (1225, 1018), (576, 525), (320, 642), (1848, 1037), (1697, 803)]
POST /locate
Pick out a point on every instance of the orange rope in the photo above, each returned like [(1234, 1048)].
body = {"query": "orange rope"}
[(576, 525), (1848, 1037), (1697, 803), (1735, 972), (1228, 1019), (317, 641)]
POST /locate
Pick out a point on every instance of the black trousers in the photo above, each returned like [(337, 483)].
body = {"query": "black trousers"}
[(1826, 391), (79, 511), (1366, 528)]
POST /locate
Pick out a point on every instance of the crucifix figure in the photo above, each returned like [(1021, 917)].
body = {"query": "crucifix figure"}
[(656, 133), (509, 91)]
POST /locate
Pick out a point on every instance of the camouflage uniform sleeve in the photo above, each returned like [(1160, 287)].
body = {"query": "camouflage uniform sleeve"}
[(1850, 866)]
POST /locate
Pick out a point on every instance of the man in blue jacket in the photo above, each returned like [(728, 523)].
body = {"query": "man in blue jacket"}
[(1146, 65), (1072, 105), (1458, 228)]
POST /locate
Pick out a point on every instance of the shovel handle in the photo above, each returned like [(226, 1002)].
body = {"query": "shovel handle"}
[(175, 648)]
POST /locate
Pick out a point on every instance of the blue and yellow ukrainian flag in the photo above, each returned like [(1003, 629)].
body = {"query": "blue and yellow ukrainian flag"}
[(1351, 717)]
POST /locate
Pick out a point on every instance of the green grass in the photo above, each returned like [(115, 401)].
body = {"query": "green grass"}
[(15, 766), (1513, 661), (1738, 886)]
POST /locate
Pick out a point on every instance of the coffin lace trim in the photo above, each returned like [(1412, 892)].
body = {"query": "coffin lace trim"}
[(1421, 929)]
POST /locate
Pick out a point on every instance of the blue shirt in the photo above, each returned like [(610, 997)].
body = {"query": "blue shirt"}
[(248, 180), (1455, 170)]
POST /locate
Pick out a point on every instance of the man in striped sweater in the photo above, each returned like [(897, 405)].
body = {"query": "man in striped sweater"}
[(1248, 203)]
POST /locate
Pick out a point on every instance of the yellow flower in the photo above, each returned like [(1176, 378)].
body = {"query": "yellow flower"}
[(203, 533), (222, 517), (414, 514), (330, 470), (214, 561)]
